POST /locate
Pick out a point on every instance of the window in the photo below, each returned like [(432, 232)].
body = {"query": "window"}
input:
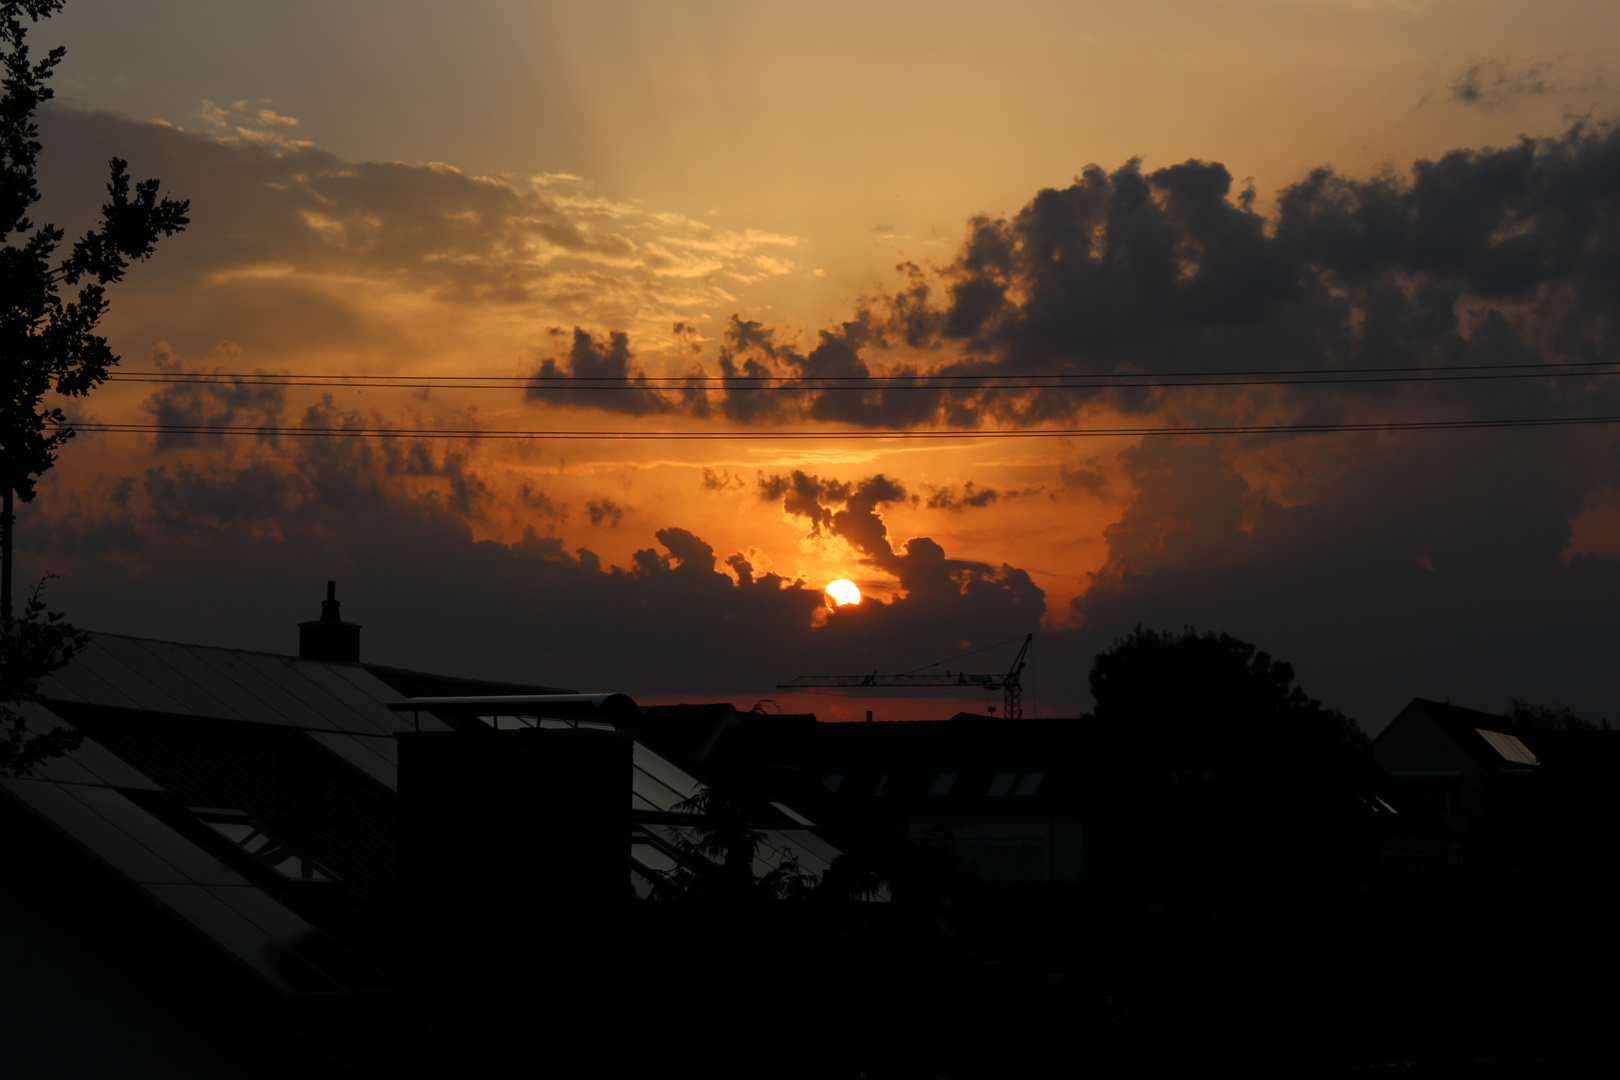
[(1001, 783), (833, 781), (1029, 783), (943, 782), (240, 830), (882, 785)]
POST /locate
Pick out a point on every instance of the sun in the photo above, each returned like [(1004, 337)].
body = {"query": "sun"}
[(843, 591)]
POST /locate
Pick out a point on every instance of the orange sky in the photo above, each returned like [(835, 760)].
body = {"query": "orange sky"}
[(380, 190)]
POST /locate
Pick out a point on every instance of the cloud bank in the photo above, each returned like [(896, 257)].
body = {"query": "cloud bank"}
[(1469, 565)]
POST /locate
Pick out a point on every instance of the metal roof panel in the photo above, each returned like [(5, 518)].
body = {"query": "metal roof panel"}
[(369, 716), (208, 912), (376, 758), (157, 666)]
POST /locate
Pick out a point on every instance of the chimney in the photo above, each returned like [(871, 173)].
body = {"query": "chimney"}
[(329, 638)]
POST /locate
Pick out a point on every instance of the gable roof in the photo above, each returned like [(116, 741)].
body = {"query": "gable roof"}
[(1484, 737)]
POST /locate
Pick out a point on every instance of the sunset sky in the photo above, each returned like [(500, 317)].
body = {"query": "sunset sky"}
[(648, 192)]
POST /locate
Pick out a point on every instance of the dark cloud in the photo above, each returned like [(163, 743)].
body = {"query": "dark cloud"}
[(677, 618), (293, 250), (609, 382), (227, 401), (605, 510), (1492, 82), (806, 496), (1411, 566), (932, 582), (541, 503), (1088, 476), (970, 496), (1477, 257), (821, 384), (722, 480)]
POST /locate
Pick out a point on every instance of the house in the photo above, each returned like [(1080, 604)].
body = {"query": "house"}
[(1440, 757), (257, 864), (1450, 768), (1003, 795)]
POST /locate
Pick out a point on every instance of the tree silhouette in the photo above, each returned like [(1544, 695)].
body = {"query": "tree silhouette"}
[(32, 647), (48, 344), (718, 858), (1221, 783), (1526, 716)]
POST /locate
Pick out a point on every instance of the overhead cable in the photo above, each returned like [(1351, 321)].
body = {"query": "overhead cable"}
[(274, 431), (540, 384)]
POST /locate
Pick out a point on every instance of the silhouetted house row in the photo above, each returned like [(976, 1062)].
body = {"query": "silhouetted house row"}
[(1004, 795), (242, 860)]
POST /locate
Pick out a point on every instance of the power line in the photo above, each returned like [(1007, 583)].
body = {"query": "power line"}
[(816, 386), (863, 383), (271, 431)]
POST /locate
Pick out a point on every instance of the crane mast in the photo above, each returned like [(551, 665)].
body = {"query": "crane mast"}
[(1010, 682)]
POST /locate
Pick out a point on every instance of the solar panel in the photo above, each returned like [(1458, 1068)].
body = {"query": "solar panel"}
[(813, 852), (78, 681), (228, 701), (358, 714), (91, 763), (671, 784), (126, 687), (304, 703), (1509, 748), (153, 667), (248, 683), (375, 688), (208, 911), (376, 758), (812, 857), (65, 769), (302, 940), (121, 834)]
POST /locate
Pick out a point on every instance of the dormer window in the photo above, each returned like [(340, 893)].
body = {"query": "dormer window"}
[(1015, 784), (241, 830)]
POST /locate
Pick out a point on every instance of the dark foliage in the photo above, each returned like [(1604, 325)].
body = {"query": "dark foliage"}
[(31, 647), (1526, 716), (48, 342), (1221, 784)]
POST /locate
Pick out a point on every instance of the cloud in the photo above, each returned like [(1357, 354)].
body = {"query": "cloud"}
[(971, 496), (1414, 566), (721, 480), (541, 503), (1477, 257), (228, 400), (166, 560), (822, 383), (293, 250), (1382, 565), (605, 510), (1492, 82), (610, 382)]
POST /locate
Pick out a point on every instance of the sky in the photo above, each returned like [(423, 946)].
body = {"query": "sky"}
[(646, 194)]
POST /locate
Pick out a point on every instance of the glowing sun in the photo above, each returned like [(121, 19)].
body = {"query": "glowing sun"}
[(843, 591)]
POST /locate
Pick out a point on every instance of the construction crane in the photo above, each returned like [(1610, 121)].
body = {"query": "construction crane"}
[(1009, 683)]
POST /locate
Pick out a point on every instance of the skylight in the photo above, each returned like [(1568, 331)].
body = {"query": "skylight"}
[(240, 830)]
